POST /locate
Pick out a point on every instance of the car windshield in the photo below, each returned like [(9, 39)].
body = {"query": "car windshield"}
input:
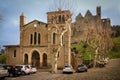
[(27, 66), (18, 67), (81, 65), (69, 66)]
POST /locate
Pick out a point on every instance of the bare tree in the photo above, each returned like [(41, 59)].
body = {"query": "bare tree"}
[(99, 38), (60, 32)]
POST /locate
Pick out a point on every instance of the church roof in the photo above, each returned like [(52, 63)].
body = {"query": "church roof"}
[(88, 13), (35, 21), (79, 16)]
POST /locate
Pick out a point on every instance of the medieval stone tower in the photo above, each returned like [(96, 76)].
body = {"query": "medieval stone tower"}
[(59, 18)]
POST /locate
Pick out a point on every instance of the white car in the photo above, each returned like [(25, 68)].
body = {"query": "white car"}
[(68, 69), (32, 69), (3, 72), (24, 69)]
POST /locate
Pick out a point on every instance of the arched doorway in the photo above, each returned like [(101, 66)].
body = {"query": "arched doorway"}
[(26, 59), (44, 60), (35, 59)]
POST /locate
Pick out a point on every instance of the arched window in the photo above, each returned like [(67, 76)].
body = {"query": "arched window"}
[(35, 37), (63, 19), (31, 39), (14, 53), (54, 38), (39, 38), (59, 18)]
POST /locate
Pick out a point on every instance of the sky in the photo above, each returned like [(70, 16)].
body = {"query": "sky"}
[(10, 10)]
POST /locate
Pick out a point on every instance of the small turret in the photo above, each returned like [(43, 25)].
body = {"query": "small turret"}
[(22, 20)]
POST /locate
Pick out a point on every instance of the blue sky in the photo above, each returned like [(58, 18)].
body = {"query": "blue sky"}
[(10, 11)]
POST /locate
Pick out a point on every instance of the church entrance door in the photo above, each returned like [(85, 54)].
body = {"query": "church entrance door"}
[(44, 60), (35, 59)]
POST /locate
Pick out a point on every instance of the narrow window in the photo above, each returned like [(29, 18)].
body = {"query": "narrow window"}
[(59, 18), (14, 53), (63, 19), (35, 37), (39, 38), (31, 39), (54, 39)]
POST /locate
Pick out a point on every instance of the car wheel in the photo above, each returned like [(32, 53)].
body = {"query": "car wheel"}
[(23, 73), (2, 78), (11, 75)]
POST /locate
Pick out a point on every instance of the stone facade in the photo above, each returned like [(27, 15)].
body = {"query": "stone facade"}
[(38, 41), (82, 23)]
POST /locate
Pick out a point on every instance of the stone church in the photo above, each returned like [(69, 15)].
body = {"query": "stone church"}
[(38, 41)]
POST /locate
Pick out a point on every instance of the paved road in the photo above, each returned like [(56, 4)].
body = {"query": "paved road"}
[(110, 72)]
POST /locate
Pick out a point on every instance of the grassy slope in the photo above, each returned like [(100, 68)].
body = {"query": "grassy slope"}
[(115, 52), (84, 51)]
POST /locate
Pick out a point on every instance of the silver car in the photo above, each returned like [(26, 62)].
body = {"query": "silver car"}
[(3, 72), (68, 69), (81, 68)]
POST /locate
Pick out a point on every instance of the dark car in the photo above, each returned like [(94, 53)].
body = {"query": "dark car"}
[(81, 68), (12, 70)]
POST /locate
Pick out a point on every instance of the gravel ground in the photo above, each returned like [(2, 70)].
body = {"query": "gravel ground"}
[(110, 72)]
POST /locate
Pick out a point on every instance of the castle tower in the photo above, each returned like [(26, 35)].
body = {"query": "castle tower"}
[(98, 12), (59, 18)]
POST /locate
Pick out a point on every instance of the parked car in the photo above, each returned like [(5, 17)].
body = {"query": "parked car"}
[(81, 68), (12, 70), (24, 69), (68, 69), (32, 69), (100, 64), (3, 72)]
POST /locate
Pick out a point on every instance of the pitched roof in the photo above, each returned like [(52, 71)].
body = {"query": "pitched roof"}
[(79, 15), (88, 13), (34, 21)]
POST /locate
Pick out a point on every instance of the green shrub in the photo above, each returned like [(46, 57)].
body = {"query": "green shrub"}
[(3, 58), (84, 49)]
